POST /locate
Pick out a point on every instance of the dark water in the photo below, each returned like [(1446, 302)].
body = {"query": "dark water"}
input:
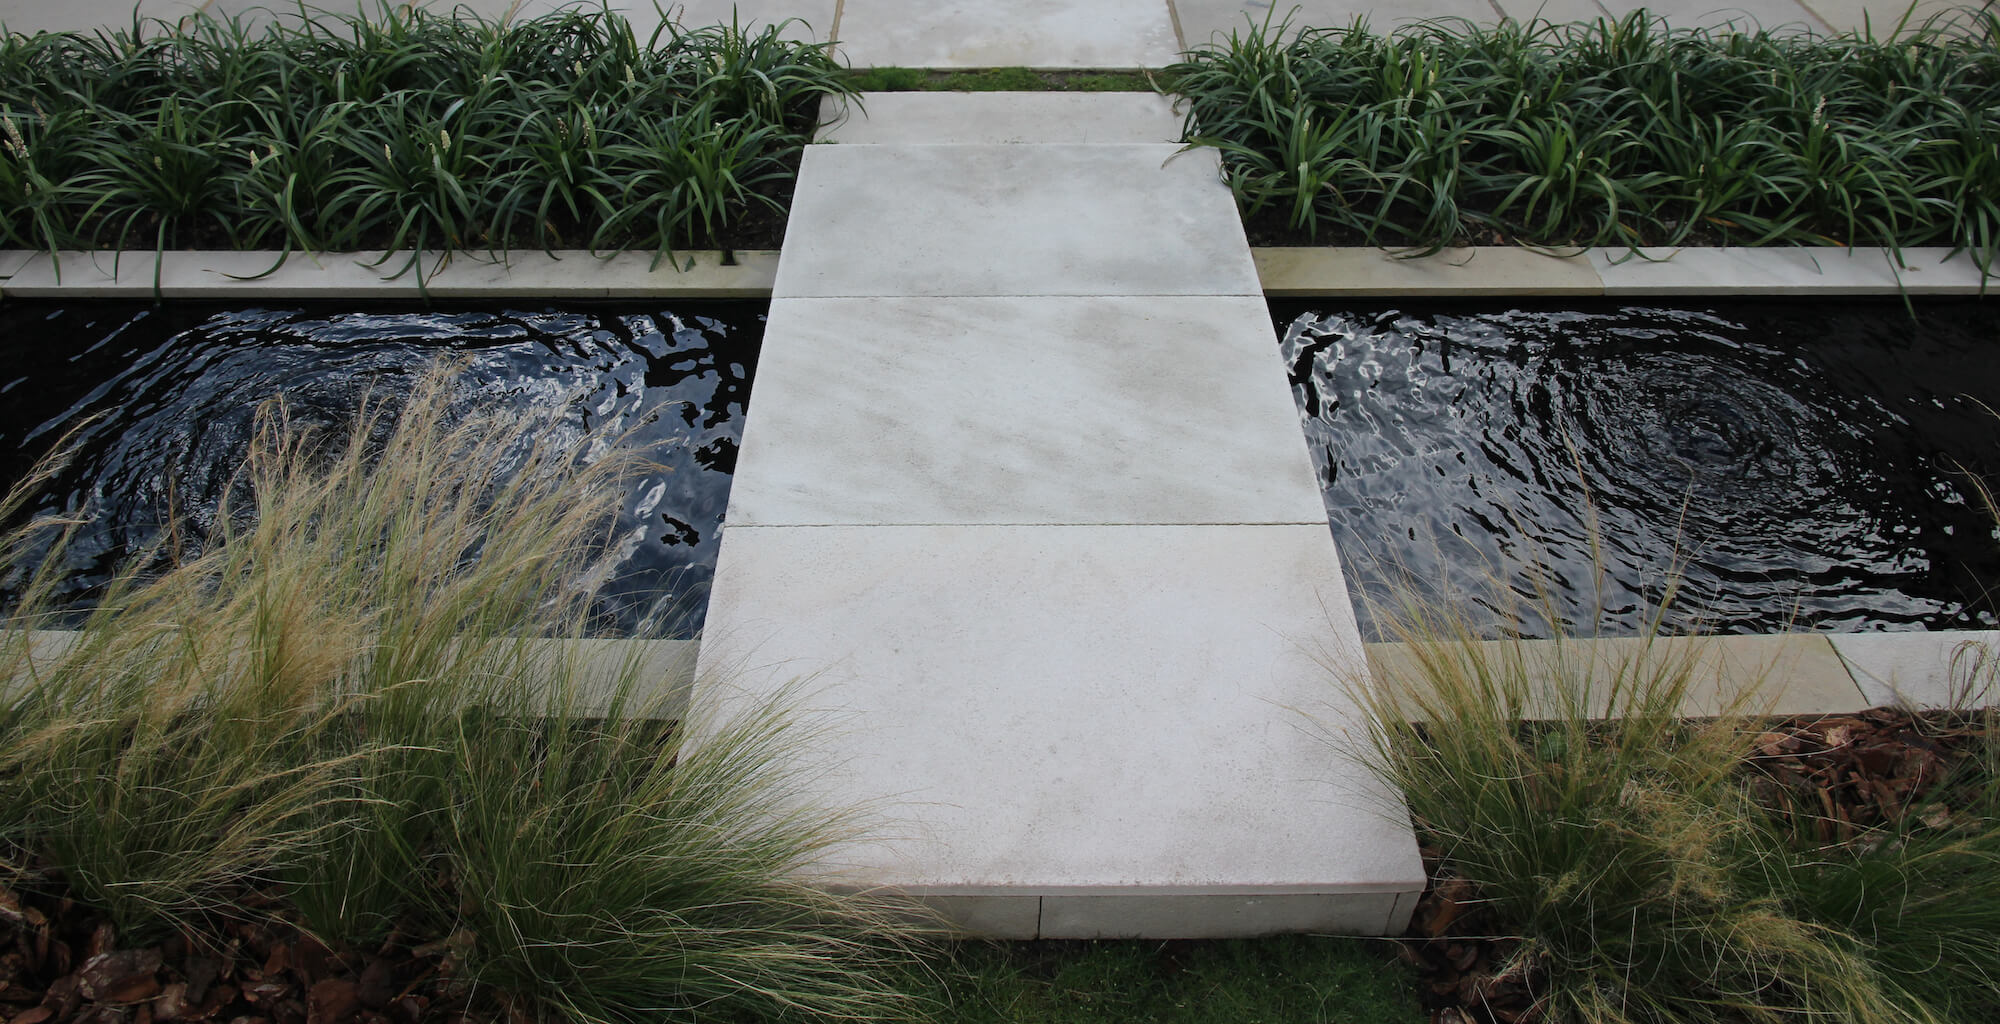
[(176, 390), (1802, 466)]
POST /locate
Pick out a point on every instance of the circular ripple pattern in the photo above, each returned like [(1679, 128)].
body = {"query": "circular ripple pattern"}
[(163, 403), (1748, 468)]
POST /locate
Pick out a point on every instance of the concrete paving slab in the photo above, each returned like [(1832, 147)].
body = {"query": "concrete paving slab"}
[(1151, 916), (1559, 11), (1924, 670), (1203, 22), (12, 260), (1013, 220), (992, 917), (1792, 270), (1738, 15), (664, 669), (809, 20), (1486, 270), (1795, 674), (30, 16), (1069, 711), (347, 275), (1882, 17), (999, 117), (263, 11), (1026, 33), (1092, 410)]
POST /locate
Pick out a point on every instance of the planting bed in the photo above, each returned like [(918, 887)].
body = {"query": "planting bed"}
[(163, 401), (1804, 466)]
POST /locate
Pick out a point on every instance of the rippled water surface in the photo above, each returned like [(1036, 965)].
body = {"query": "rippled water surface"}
[(174, 391), (1804, 467)]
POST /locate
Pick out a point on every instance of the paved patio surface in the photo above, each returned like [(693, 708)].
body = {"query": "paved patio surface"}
[(1036, 33)]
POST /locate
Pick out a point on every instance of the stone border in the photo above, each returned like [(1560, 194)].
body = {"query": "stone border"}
[(539, 275), (1285, 272), (1881, 667), (1798, 673), (599, 664), (1780, 271)]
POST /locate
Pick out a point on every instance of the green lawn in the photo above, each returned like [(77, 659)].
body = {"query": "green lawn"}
[(1287, 980)]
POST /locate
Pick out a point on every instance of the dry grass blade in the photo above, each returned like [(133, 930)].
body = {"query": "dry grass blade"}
[(353, 696)]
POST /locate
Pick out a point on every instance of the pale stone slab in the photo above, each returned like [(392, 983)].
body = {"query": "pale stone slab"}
[(1736, 15), (1093, 410), (1173, 916), (918, 118), (1025, 33), (347, 275), (260, 12), (1400, 914), (12, 260), (1880, 18), (30, 16), (1559, 11), (1203, 22), (800, 20), (660, 671), (1013, 220), (1486, 270), (988, 917), (1924, 670), (1785, 270), (1794, 674), (1067, 711)]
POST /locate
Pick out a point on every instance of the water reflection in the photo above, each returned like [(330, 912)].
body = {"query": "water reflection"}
[(1801, 466), (163, 402)]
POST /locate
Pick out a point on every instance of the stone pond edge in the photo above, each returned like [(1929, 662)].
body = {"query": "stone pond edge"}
[(1285, 272), (1880, 667)]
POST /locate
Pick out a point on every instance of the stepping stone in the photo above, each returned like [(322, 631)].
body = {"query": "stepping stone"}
[(1024, 33), (1013, 220), (904, 118), (1024, 496), (1022, 410), (1075, 732)]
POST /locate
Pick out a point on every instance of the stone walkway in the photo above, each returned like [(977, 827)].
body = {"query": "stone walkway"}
[(1038, 33), (1024, 494)]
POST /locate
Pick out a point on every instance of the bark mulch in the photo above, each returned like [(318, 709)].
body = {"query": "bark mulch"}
[(61, 962), (1843, 777)]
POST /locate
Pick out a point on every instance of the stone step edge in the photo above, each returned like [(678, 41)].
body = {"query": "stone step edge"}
[(1776, 271), (1284, 271), (1803, 673), (207, 274)]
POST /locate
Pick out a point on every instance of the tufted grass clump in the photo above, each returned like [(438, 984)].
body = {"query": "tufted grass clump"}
[(403, 131), (347, 706), (1614, 133), (1624, 848)]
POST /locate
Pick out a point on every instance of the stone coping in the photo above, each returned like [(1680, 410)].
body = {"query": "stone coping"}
[(535, 274), (1797, 673), (1334, 271), (598, 664), (1284, 272)]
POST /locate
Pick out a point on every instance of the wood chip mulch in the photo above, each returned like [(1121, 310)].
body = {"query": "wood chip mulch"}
[(61, 962), (1841, 776)]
